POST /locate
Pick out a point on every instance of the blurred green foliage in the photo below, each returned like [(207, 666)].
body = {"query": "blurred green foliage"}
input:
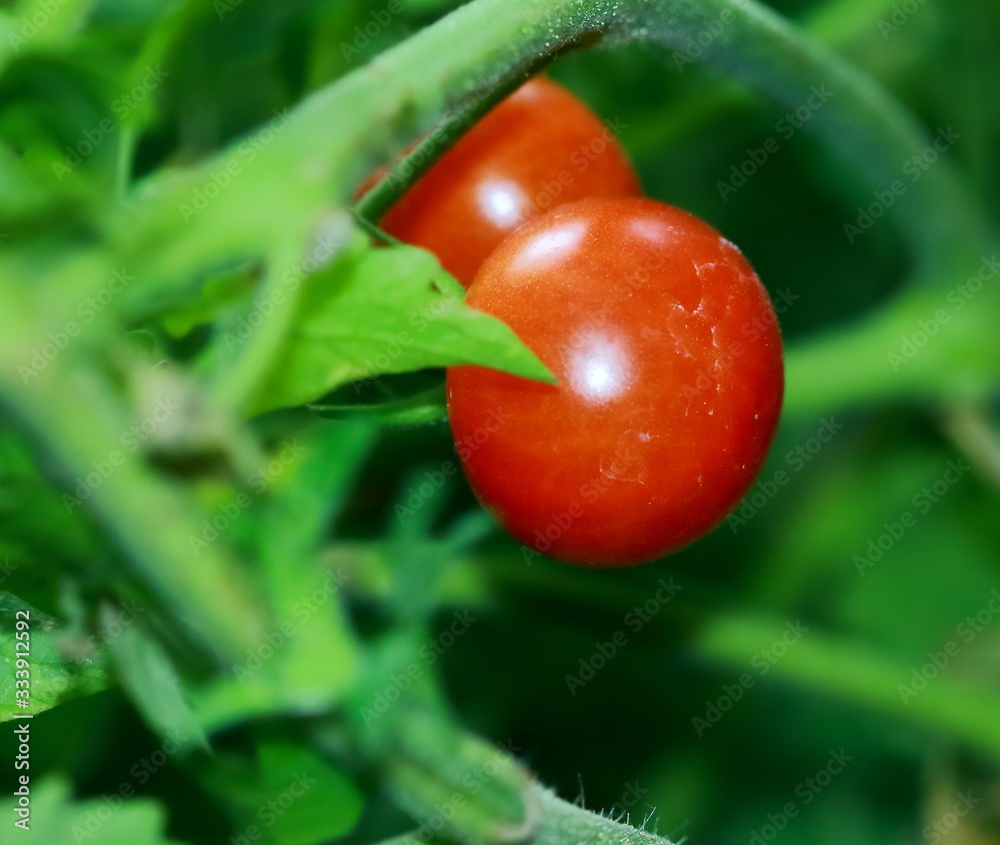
[(852, 608)]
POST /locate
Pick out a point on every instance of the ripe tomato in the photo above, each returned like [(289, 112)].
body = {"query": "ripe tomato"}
[(538, 148), (669, 360)]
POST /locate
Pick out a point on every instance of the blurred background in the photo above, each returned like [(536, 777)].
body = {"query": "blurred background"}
[(823, 668)]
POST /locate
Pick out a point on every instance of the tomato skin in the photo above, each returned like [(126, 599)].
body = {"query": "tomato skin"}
[(539, 147), (670, 368)]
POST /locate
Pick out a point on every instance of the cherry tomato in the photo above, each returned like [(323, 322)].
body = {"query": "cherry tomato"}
[(669, 361), (538, 148)]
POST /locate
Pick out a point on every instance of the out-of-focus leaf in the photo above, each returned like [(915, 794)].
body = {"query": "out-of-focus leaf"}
[(148, 675), (318, 658), (924, 694), (218, 292), (292, 797), (56, 818), (866, 531)]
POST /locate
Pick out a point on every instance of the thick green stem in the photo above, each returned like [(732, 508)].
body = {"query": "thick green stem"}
[(566, 824), (72, 415)]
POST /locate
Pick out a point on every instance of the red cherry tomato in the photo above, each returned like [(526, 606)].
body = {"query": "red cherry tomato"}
[(669, 360), (538, 148)]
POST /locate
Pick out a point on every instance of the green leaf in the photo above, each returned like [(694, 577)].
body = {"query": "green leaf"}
[(307, 656), (55, 677), (56, 818), (318, 657), (148, 675), (850, 670), (220, 291), (376, 311), (329, 806), (291, 797)]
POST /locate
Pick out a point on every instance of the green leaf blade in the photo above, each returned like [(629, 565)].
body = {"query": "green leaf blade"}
[(377, 311)]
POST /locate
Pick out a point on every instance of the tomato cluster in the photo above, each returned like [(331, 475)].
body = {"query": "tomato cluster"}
[(664, 342)]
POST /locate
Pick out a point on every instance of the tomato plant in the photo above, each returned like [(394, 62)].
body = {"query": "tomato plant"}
[(246, 594), (669, 361)]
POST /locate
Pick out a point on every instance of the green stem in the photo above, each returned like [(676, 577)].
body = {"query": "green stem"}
[(148, 520), (834, 24), (410, 166), (934, 342), (974, 432), (123, 161), (565, 824), (848, 670)]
